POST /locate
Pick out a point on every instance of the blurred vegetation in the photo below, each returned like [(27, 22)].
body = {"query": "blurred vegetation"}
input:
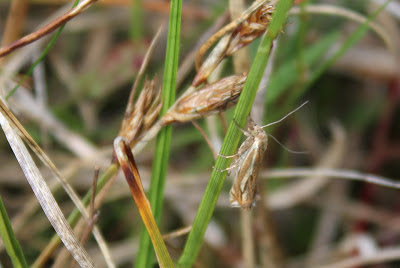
[(81, 88)]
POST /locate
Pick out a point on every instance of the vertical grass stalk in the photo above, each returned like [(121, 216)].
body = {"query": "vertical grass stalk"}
[(208, 203), (10, 241), (136, 29), (160, 162)]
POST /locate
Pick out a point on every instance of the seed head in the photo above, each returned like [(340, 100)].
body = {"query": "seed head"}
[(211, 99), (232, 40), (143, 114)]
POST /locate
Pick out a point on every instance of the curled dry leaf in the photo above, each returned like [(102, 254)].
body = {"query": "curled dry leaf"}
[(233, 39), (211, 99), (127, 162), (143, 114)]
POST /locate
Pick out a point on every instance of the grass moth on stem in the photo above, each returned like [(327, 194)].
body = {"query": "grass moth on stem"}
[(247, 163)]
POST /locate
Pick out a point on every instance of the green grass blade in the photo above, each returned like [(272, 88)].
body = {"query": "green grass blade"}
[(208, 203), (136, 30), (288, 75), (40, 58), (351, 41), (160, 162), (10, 241)]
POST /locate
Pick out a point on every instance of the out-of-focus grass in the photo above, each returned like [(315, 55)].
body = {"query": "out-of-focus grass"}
[(301, 69), (10, 241)]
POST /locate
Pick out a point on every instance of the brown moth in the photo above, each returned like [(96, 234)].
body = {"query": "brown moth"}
[(247, 163)]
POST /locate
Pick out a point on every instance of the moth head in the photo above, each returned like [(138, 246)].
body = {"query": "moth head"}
[(260, 134)]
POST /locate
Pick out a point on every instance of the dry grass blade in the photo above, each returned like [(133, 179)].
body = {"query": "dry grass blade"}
[(46, 160), (333, 173), (128, 165), (347, 13), (211, 99), (44, 196), (379, 257), (301, 190), (177, 233), (22, 102), (47, 29)]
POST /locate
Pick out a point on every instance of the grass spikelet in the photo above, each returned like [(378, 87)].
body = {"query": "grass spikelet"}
[(143, 114), (239, 33), (211, 99)]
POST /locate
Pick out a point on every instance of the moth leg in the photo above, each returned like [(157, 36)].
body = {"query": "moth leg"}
[(226, 169), (228, 156)]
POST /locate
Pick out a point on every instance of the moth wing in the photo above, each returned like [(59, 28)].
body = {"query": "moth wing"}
[(250, 168), (244, 188)]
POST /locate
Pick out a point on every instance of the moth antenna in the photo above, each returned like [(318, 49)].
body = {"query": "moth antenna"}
[(286, 148), (227, 156), (270, 124)]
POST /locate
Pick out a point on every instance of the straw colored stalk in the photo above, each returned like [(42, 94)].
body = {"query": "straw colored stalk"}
[(232, 39), (44, 195), (10, 117)]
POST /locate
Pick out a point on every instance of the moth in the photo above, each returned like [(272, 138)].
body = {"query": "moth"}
[(247, 163)]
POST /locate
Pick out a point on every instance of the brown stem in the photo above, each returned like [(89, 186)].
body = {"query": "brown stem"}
[(46, 29)]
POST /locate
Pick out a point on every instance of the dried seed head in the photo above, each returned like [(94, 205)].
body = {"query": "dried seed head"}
[(251, 29), (232, 40), (211, 99), (143, 115)]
